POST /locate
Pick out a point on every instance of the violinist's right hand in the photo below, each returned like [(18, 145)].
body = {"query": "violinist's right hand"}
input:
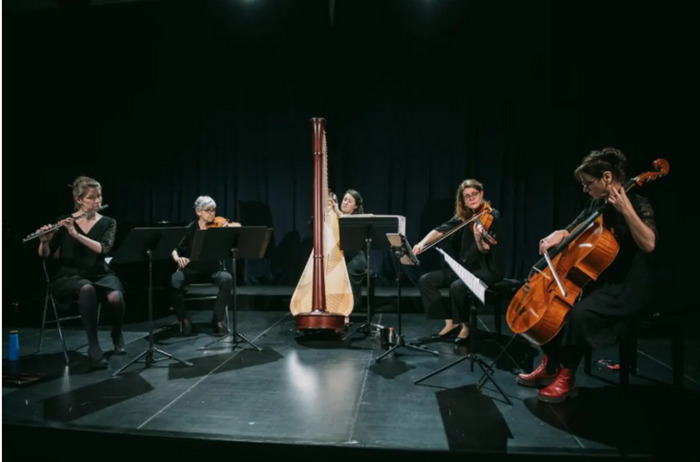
[(418, 248), (182, 262), (553, 240)]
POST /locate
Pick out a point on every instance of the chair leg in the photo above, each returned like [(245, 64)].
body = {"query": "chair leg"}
[(43, 321), (473, 328), (587, 359), (626, 353), (678, 359), (60, 331), (497, 314)]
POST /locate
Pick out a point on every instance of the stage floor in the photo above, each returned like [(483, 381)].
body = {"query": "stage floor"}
[(319, 395)]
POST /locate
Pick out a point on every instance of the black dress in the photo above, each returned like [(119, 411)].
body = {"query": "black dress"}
[(78, 265), (621, 289)]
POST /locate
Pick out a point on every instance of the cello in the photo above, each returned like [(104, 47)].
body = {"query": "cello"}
[(323, 296), (538, 309)]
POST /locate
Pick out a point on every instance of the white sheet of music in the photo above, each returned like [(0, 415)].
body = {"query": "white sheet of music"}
[(475, 284)]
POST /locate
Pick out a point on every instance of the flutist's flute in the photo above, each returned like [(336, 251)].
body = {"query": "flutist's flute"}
[(56, 226)]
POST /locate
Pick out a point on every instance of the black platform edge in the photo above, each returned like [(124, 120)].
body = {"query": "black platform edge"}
[(35, 441)]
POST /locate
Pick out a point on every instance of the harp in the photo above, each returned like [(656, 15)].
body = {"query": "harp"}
[(323, 296)]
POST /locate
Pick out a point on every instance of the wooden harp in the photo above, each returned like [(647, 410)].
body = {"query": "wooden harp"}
[(323, 296)]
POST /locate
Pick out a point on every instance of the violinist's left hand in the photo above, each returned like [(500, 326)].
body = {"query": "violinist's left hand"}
[(478, 230), (618, 198), (232, 224)]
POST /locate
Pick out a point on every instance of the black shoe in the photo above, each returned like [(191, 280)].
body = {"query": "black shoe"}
[(439, 337), (462, 341), (98, 363), (186, 326), (96, 357), (220, 328), (118, 341)]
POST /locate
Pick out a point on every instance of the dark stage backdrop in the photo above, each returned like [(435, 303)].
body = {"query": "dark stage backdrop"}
[(163, 101)]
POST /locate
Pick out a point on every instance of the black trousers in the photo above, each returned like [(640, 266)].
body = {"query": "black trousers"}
[(180, 279), (435, 306)]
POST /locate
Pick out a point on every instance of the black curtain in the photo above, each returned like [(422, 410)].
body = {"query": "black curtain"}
[(165, 101)]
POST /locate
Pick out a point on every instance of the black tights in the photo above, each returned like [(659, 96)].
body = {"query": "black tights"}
[(87, 307)]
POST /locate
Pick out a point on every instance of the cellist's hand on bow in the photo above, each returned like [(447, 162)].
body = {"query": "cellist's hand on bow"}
[(553, 240)]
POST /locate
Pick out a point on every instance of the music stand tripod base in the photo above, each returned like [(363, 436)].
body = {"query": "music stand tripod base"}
[(403, 256), (243, 241), (400, 343), (486, 369), (230, 339), (148, 244), (149, 359), (365, 328)]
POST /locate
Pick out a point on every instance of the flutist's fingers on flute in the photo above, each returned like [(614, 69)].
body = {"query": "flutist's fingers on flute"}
[(45, 237)]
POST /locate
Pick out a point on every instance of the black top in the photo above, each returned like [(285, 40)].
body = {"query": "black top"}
[(77, 259), (623, 285), (485, 266), (184, 249)]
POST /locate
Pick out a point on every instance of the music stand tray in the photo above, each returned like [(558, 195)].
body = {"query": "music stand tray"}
[(149, 244), (231, 242), (362, 233), (405, 256)]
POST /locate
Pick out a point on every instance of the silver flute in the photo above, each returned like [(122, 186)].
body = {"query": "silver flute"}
[(56, 226)]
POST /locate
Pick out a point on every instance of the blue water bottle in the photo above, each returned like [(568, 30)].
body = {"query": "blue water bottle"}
[(13, 352)]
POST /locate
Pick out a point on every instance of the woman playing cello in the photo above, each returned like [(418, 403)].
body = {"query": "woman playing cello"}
[(617, 294)]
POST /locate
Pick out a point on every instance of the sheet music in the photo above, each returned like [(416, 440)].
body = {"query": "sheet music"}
[(475, 284), (401, 220)]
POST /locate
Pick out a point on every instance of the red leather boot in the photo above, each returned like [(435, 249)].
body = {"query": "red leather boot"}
[(563, 386), (539, 377)]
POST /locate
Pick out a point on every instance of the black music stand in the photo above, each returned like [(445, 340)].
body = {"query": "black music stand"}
[(487, 369), (220, 243), (404, 256), (148, 244), (360, 233)]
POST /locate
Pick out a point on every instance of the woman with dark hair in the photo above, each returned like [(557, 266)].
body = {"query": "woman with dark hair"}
[(356, 262), (618, 293), (476, 255)]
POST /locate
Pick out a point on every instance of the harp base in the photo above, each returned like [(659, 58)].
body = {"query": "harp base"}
[(316, 320)]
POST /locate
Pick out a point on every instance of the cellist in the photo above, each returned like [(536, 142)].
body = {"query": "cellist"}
[(477, 253), (617, 294)]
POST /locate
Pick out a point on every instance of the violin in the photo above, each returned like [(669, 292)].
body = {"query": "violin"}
[(486, 214), (485, 221), (219, 222)]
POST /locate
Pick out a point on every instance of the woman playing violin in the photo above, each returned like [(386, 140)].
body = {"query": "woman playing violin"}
[(477, 252), (200, 271), (618, 293)]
